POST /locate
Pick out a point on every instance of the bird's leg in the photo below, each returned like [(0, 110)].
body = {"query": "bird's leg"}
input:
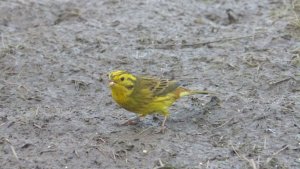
[(133, 121), (163, 127)]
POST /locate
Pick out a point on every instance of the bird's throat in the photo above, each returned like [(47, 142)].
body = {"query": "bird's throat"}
[(120, 93)]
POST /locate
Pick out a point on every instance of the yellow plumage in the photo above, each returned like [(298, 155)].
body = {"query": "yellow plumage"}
[(145, 95)]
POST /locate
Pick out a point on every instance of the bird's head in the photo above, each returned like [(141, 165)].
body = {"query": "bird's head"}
[(121, 79)]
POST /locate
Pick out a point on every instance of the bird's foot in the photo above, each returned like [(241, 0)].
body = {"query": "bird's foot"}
[(161, 130), (132, 121), (163, 126)]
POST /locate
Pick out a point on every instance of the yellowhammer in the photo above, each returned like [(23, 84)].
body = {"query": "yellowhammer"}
[(145, 95)]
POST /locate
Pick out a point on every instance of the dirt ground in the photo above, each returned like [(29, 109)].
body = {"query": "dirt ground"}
[(56, 110)]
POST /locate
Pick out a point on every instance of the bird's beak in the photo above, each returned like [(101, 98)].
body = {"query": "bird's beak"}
[(111, 84)]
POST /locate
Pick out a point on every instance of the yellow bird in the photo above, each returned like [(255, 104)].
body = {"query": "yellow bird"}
[(146, 95)]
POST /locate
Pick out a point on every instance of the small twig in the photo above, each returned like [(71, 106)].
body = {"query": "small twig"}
[(76, 153), (2, 124), (102, 140), (265, 143), (161, 164), (10, 124), (37, 126), (49, 150), (280, 81), (126, 154), (207, 164), (258, 69), (14, 152), (37, 110), (223, 124), (5, 139), (114, 155), (197, 45), (100, 149), (277, 152), (10, 83), (140, 133), (201, 133), (251, 161), (24, 87), (235, 151), (215, 41)]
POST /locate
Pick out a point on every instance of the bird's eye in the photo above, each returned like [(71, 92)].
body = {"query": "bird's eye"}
[(122, 78)]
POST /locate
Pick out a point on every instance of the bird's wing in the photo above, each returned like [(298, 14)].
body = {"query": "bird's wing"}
[(158, 87)]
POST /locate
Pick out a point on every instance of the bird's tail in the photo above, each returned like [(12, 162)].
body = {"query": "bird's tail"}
[(181, 91)]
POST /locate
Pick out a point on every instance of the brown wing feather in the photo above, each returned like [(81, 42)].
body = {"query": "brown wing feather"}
[(158, 87)]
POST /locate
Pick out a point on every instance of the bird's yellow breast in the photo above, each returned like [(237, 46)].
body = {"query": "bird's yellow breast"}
[(143, 106)]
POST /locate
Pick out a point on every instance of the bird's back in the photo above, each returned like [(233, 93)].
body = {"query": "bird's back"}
[(153, 95)]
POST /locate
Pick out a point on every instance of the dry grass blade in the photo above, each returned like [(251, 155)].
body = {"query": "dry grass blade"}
[(296, 9), (251, 161), (143, 131), (199, 44), (14, 152), (223, 124), (276, 153)]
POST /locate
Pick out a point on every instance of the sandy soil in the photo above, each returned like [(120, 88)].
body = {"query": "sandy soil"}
[(56, 110)]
